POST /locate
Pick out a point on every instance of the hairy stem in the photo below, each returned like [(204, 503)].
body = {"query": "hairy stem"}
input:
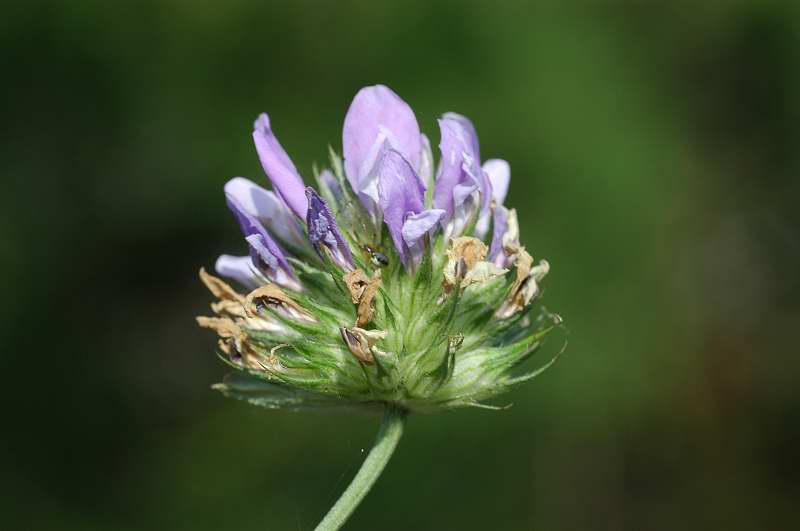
[(388, 436)]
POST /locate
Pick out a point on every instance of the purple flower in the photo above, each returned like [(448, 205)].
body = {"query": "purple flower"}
[(388, 242), (266, 255), (279, 167), (323, 231), (377, 115), (401, 195), (461, 184)]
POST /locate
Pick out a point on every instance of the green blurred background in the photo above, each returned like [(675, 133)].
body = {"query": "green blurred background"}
[(655, 163)]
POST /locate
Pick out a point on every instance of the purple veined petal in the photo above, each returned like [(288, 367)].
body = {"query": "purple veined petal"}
[(370, 194), (368, 185), (375, 116), (470, 135), (254, 199), (268, 208), (264, 256), (463, 193), (460, 163), (496, 253), (324, 231), (279, 167), (415, 227), (238, 268), (499, 173), (267, 256), (400, 192)]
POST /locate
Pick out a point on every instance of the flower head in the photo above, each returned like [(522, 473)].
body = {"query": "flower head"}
[(383, 284)]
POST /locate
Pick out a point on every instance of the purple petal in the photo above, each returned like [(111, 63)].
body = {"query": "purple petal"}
[(487, 191), (266, 254), (415, 227), (377, 115), (460, 164), (400, 192), (268, 208), (496, 253), (468, 132), (323, 230), (279, 167), (238, 268), (499, 173)]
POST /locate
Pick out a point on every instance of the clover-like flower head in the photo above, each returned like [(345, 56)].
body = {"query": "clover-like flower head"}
[(382, 285)]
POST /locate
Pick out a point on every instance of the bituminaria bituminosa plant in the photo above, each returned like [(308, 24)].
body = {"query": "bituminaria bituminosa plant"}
[(391, 284)]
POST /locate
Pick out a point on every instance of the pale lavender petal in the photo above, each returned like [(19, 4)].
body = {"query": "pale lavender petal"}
[(460, 164), (375, 116), (263, 255), (238, 268), (469, 135), (268, 208), (323, 231), (463, 192), (415, 227), (496, 253), (254, 199), (499, 173), (400, 192), (279, 167), (267, 256)]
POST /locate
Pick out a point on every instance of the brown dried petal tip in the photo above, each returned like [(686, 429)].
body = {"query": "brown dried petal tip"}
[(362, 292), (360, 342), (273, 297)]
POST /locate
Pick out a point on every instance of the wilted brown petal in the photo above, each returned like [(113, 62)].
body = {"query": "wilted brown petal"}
[(221, 325), (471, 249), (356, 282), (526, 285), (360, 342), (274, 297), (466, 265), (362, 292)]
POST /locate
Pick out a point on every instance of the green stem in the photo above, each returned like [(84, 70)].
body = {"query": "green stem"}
[(388, 436)]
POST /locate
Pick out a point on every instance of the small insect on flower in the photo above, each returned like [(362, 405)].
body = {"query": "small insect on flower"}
[(384, 284), (377, 259)]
